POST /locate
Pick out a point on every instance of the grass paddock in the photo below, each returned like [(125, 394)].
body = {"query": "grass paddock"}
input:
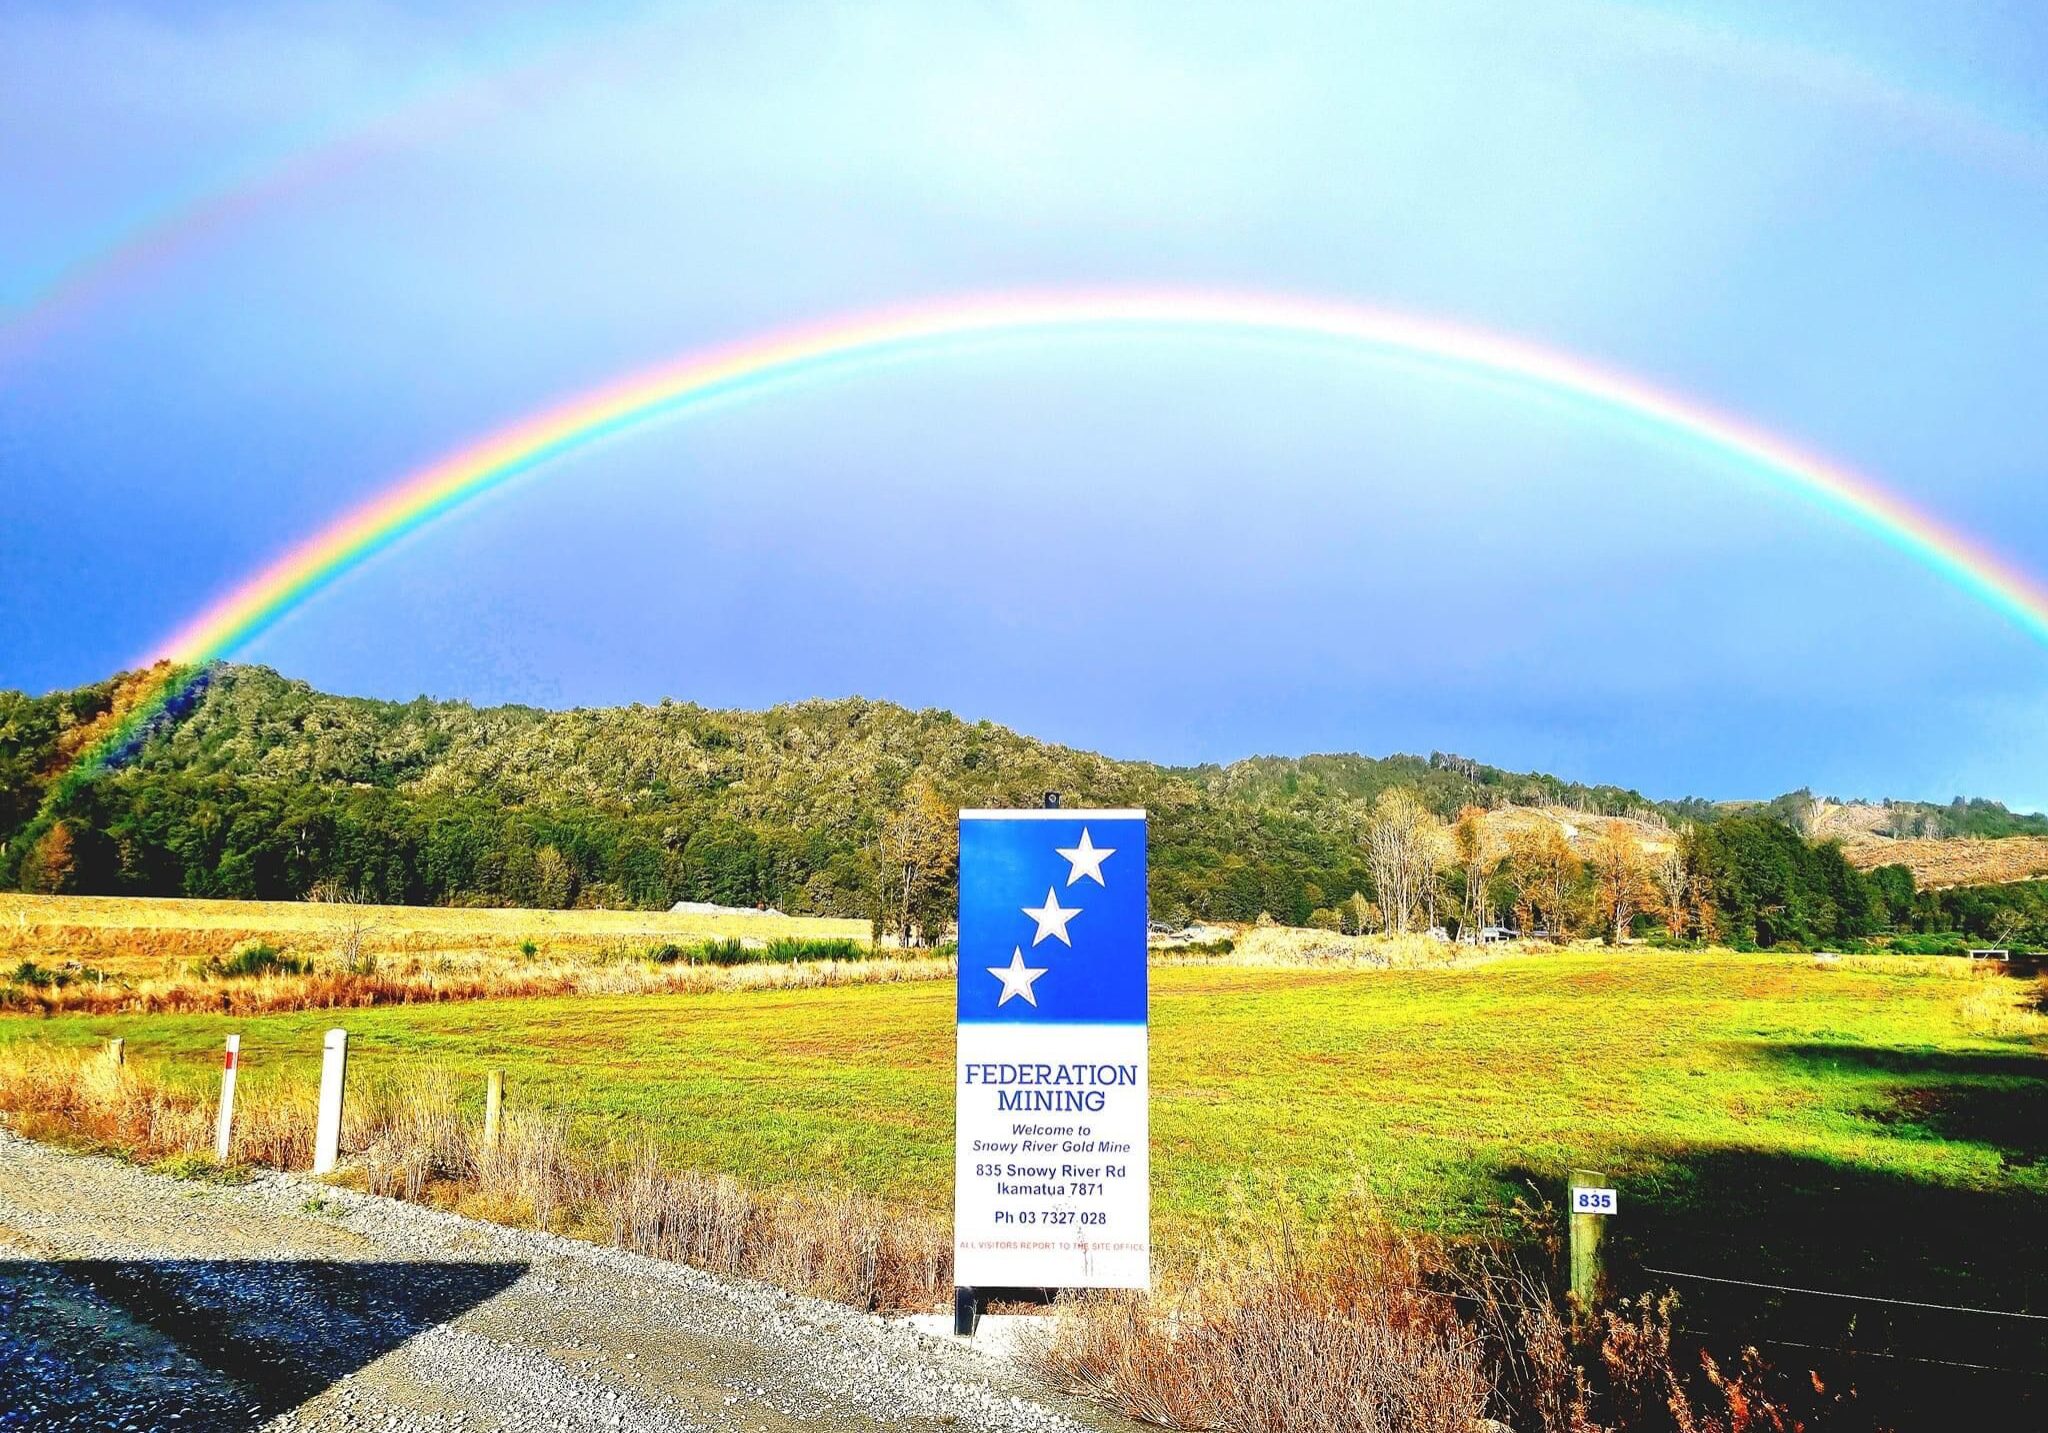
[(1872, 1124)]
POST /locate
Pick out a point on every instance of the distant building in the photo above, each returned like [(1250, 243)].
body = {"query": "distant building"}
[(711, 908)]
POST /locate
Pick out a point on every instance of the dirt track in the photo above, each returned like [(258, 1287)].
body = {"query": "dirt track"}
[(129, 1300)]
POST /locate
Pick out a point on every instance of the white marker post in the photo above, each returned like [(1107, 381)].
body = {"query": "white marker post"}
[(333, 1072), (225, 1124)]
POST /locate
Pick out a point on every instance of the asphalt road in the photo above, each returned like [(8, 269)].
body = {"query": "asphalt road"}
[(132, 1301)]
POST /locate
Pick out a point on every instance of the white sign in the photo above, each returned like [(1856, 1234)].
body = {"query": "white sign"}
[(1052, 1168), (1593, 1201)]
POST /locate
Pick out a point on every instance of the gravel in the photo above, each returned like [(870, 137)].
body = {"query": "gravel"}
[(129, 1300)]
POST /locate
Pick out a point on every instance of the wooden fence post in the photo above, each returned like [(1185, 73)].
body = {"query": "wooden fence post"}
[(223, 1127), (494, 1108), (117, 1052), (333, 1074), (1588, 1226)]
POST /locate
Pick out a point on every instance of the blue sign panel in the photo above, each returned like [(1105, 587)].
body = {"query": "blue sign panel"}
[(1052, 918)]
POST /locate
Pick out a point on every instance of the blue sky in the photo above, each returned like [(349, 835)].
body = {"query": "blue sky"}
[(1826, 218)]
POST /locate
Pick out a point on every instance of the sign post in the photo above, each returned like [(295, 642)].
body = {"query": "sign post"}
[(1052, 1154)]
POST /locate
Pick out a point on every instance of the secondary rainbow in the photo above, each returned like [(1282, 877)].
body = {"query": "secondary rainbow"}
[(300, 160), (857, 340)]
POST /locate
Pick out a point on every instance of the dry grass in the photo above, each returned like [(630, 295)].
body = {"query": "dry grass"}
[(1372, 1329), (436, 925), (133, 955), (427, 980), (87, 1100), (407, 1140), (139, 937), (1276, 1335), (1294, 946)]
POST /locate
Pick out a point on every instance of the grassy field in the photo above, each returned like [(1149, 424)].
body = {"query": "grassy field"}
[(1875, 1124)]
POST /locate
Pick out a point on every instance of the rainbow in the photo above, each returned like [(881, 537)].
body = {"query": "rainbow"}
[(443, 103), (853, 341)]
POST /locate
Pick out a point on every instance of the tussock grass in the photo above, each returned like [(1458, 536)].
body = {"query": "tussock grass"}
[(264, 987), (1280, 1334), (1361, 1325), (407, 1138), (102, 954)]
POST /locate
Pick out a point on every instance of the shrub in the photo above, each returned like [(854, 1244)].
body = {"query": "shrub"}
[(256, 957), (1934, 944), (790, 948), (730, 951), (33, 976)]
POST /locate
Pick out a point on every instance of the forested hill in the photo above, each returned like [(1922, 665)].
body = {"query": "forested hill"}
[(268, 788)]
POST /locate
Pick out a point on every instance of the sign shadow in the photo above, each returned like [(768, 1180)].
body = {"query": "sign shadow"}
[(220, 1343)]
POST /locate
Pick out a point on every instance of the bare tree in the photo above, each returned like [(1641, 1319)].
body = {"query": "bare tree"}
[(1544, 870), (1621, 879), (919, 854), (2005, 928), (1468, 845), (1406, 845), (1436, 852), (350, 928), (1674, 887)]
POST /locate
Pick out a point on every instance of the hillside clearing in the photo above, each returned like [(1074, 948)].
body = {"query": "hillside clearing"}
[(1953, 861)]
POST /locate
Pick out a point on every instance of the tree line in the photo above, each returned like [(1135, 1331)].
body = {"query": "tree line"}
[(1750, 881), (262, 787)]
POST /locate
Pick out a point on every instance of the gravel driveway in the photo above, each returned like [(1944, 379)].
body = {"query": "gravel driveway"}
[(130, 1300)]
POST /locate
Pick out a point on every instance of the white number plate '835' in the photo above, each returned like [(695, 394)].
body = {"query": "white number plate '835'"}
[(1593, 1201)]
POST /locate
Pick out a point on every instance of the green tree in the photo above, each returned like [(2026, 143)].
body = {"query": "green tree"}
[(554, 881), (51, 861)]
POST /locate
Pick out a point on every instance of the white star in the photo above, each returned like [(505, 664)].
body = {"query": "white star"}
[(1016, 978), (1086, 859), (1052, 918)]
